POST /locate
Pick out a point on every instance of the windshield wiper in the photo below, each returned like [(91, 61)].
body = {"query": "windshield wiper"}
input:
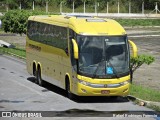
[(99, 64)]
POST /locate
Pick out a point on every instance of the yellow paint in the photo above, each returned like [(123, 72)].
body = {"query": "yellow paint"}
[(134, 47), (55, 64), (75, 48)]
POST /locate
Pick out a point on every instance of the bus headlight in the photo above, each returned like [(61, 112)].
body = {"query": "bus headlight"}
[(84, 82), (125, 82)]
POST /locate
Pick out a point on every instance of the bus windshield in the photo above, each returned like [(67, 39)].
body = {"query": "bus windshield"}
[(103, 56)]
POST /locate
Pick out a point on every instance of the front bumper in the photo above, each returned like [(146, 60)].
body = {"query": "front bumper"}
[(83, 90)]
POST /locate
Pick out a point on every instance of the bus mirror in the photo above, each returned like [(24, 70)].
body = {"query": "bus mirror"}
[(134, 48), (75, 49)]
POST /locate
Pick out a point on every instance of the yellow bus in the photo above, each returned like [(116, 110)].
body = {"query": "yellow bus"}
[(86, 56)]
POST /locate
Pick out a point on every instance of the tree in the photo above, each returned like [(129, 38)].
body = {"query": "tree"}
[(77, 3), (23, 4), (9, 3), (139, 61), (15, 21)]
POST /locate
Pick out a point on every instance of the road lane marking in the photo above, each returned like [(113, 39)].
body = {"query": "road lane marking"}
[(33, 90), (144, 36)]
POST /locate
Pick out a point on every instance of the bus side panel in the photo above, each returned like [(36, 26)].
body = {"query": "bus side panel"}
[(29, 58)]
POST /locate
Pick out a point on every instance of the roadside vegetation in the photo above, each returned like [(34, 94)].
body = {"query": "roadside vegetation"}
[(145, 93), (15, 21), (67, 5), (139, 22), (21, 53)]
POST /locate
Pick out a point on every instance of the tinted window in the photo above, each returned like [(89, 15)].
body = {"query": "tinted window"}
[(48, 34)]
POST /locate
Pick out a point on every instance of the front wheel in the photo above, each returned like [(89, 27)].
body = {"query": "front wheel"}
[(68, 89)]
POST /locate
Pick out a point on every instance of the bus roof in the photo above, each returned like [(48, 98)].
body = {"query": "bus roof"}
[(84, 25)]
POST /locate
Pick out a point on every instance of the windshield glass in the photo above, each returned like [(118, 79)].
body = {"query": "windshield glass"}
[(103, 56)]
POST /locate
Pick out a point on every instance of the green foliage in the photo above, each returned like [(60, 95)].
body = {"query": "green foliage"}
[(140, 60), (139, 22), (145, 93), (15, 21), (13, 51), (136, 4)]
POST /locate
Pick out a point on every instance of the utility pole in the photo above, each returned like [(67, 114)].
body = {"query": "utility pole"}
[(129, 7), (84, 7), (61, 7), (118, 6), (142, 7), (20, 5), (156, 8), (47, 6), (73, 6), (107, 7), (33, 5), (95, 7)]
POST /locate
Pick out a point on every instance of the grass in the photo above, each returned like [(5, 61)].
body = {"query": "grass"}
[(139, 22), (13, 51), (154, 107), (145, 93)]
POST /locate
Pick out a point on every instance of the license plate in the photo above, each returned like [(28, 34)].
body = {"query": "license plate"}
[(105, 92)]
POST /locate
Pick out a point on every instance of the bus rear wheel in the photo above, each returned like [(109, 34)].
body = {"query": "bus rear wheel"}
[(39, 78), (35, 73), (36, 80)]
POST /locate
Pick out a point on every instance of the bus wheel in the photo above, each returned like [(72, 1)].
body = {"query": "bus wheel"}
[(36, 80), (35, 73), (69, 94), (39, 78)]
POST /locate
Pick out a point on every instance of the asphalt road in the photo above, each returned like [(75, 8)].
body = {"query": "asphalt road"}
[(18, 92), (148, 42)]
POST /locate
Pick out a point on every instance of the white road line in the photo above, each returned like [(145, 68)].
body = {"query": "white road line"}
[(144, 36), (142, 32), (33, 90)]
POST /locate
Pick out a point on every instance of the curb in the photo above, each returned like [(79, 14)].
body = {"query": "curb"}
[(16, 55), (12, 54), (144, 102)]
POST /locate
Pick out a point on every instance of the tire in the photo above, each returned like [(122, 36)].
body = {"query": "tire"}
[(35, 74), (39, 78), (69, 94)]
